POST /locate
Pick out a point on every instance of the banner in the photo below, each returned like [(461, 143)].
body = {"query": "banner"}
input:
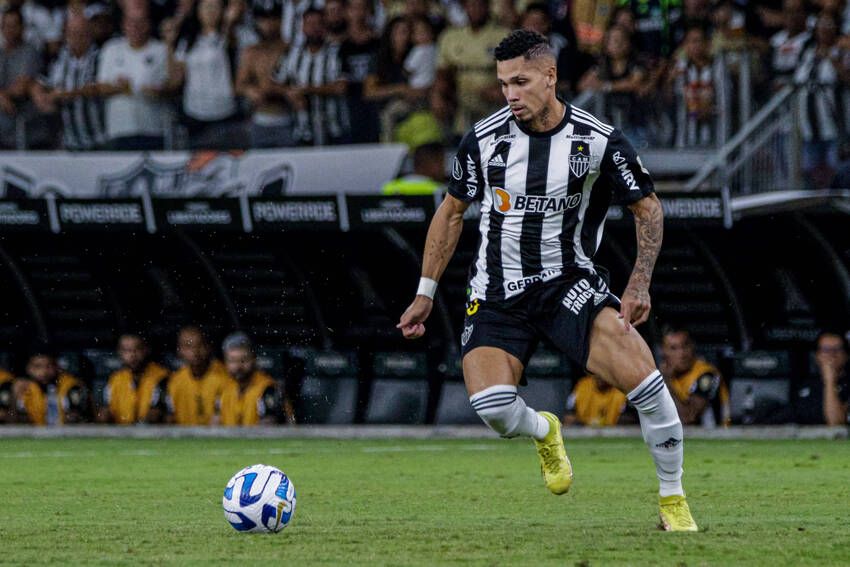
[(268, 173)]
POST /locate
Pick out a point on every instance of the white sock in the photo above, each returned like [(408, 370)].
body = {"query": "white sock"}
[(506, 413), (662, 431)]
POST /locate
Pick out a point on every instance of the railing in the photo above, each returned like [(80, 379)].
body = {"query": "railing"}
[(763, 156)]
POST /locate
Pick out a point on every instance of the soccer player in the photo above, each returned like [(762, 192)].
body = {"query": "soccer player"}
[(594, 402), (699, 392), (194, 391), (49, 396), (545, 173), (254, 398), (135, 393)]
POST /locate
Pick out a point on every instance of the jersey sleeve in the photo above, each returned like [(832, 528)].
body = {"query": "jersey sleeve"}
[(466, 181), (706, 386), (621, 166)]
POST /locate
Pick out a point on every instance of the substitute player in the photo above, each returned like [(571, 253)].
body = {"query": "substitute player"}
[(136, 392), (545, 173)]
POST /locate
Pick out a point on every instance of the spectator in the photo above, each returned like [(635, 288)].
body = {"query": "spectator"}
[(312, 78), (19, 65), (429, 172), (194, 390), (388, 87), (202, 64), (132, 73), (571, 63), (699, 392), (465, 65), (421, 62), (101, 22), (831, 359), (787, 45), (822, 125), (656, 23), (42, 23), (619, 77), (71, 88), (252, 397), (694, 82), (292, 16), (434, 124), (358, 57), (7, 397), (335, 21), (136, 392), (591, 18), (48, 396), (594, 402), (271, 122)]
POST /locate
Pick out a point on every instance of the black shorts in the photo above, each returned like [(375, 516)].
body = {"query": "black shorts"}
[(559, 312)]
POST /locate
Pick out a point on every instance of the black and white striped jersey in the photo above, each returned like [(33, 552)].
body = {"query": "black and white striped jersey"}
[(544, 196), (82, 117)]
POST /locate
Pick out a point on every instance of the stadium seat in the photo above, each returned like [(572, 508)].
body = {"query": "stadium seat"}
[(759, 386), (399, 389), (329, 389), (453, 407)]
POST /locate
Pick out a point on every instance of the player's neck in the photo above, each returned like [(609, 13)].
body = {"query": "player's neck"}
[(548, 117)]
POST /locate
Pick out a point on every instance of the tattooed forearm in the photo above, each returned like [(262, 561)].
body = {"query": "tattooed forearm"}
[(649, 226), (443, 235)]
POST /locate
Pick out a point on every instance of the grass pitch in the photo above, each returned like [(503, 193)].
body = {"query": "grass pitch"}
[(404, 502)]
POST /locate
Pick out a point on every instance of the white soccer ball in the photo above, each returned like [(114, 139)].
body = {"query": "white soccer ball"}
[(259, 498)]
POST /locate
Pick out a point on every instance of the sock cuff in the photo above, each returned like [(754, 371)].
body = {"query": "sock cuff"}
[(494, 396), (648, 388)]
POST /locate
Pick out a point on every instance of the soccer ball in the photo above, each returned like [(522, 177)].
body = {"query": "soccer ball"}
[(259, 498)]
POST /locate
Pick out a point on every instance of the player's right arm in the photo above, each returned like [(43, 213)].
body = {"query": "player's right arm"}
[(465, 186)]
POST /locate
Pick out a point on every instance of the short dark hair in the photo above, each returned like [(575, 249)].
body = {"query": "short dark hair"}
[(522, 43), (538, 7)]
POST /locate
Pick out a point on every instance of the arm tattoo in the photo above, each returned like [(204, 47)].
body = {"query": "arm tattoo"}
[(649, 226)]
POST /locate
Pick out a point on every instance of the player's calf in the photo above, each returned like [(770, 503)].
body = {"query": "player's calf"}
[(505, 412)]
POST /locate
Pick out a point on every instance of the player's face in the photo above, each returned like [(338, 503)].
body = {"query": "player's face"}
[(239, 362), (42, 369), (192, 348), (678, 352), (132, 351), (526, 85)]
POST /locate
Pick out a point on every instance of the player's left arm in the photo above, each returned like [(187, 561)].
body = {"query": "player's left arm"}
[(632, 186)]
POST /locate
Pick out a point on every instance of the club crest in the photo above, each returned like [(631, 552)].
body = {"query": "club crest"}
[(579, 162)]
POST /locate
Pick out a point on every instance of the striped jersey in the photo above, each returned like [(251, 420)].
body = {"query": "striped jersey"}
[(82, 117), (544, 196)]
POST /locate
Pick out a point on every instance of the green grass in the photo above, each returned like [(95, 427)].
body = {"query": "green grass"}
[(399, 502)]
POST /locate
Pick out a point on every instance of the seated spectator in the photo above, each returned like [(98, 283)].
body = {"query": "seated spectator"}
[(7, 397), (698, 389), (19, 65), (465, 66), (388, 86), (358, 57), (433, 124), (136, 392), (313, 81), (194, 390), (71, 88), (49, 396), (202, 66), (253, 397), (594, 402), (421, 62), (271, 121), (823, 77), (693, 82), (132, 73), (619, 77), (786, 46), (428, 177)]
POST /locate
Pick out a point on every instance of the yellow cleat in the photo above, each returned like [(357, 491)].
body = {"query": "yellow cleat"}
[(557, 471), (675, 514)]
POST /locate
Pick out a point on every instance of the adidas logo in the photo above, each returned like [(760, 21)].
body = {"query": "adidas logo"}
[(497, 161), (599, 297)]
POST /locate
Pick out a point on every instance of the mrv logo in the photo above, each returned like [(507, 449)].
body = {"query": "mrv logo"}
[(534, 203)]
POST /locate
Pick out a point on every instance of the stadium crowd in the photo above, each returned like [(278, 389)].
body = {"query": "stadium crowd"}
[(234, 391), (224, 74)]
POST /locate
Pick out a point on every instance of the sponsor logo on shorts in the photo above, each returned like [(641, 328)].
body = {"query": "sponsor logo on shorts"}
[(467, 333), (578, 296), (506, 202), (520, 284)]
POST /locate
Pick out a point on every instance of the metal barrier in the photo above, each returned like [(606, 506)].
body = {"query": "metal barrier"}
[(763, 156)]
